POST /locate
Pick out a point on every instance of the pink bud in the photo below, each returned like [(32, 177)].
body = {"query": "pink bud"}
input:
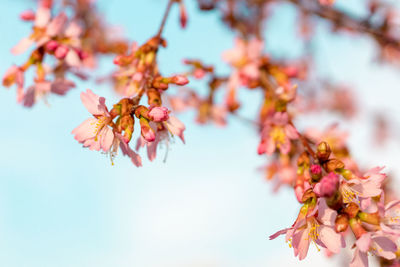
[(315, 169), (61, 51), (180, 80), (158, 114), (199, 73), (182, 15), (27, 15), (52, 45), (327, 186), (83, 54)]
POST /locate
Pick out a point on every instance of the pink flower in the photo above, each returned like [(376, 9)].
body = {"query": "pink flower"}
[(317, 229), (376, 243), (95, 132), (390, 217), (358, 189), (158, 114), (277, 133), (327, 186)]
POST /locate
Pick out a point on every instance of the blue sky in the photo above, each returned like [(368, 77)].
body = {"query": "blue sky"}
[(62, 205)]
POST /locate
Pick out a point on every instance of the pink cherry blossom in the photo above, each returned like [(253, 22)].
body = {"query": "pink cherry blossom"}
[(376, 243), (390, 214), (95, 132), (318, 229), (277, 133), (357, 189)]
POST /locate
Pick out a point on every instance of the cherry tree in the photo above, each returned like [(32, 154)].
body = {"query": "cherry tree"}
[(341, 204)]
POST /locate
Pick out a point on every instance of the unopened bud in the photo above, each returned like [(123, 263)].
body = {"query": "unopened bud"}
[(154, 97), (146, 131), (316, 172), (158, 114), (141, 111), (333, 165), (61, 51), (51, 45), (27, 15), (180, 80), (323, 151), (341, 223), (327, 186)]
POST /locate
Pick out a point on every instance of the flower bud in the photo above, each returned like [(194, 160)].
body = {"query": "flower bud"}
[(27, 15), (61, 51), (316, 172), (333, 165), (327, 186), (158, 114), (51, 45), (154, 97), (146, 131), (180, 80), (323, 151), (141, 111), (341, 223)]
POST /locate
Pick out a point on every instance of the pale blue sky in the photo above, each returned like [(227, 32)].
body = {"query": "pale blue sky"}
[(62, 205)]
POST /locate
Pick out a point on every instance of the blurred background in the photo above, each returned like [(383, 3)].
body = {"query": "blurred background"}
[(209, 204)]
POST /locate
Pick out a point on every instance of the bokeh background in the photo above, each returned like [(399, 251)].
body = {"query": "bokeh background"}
[(208, 205)]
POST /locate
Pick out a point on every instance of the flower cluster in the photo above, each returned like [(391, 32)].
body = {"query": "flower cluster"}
[(69, 43)]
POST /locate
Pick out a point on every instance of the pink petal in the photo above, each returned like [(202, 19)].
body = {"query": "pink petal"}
[(106, 138), (86, 130), (385, 247), (73, 30), (280, 232), (22, 46), (56, 25), (364, 242), (42, 17), (331, 239), (72, 58), (92, 102), (60, 87), (176, 127), (326, 215), (360, 259), (301, 243)]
